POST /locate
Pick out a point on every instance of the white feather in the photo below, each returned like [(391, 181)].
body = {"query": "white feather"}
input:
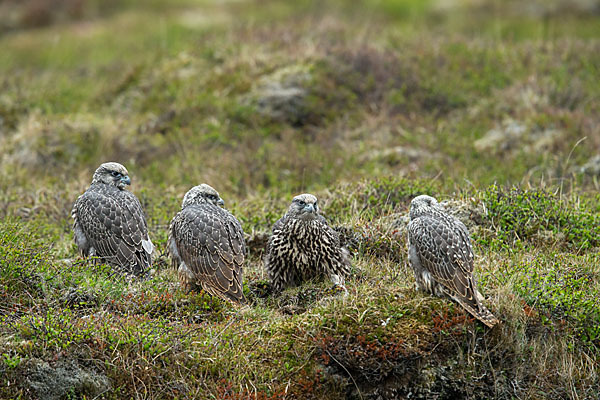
[(148, 246)]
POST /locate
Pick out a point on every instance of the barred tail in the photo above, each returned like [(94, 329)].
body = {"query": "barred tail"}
[(482, 314), (479, 311)]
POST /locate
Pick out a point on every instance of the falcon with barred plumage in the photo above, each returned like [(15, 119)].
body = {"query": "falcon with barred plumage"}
[(303, 246), (207, 243), (441, 257), (110, 223)]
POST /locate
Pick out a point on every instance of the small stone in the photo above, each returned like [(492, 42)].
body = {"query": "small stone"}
[(503, 138), (592, 167)]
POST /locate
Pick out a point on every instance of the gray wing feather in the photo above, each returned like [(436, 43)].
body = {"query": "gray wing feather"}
[(440, 252), (113, 223), (444, 249), (211, 243)]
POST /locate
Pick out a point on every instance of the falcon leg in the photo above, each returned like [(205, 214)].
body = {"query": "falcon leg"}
[(421, 276), (338, 282), (186, 277), (92, 255), (81, 241)]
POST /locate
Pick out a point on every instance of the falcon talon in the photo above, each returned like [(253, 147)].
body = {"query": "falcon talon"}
[(340, 288)]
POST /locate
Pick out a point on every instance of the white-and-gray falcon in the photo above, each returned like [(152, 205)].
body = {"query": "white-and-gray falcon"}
[(441, 256), (303, 246), (206, 243), (110, 223)]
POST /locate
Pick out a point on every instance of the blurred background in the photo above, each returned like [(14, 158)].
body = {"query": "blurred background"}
[(278, 97)]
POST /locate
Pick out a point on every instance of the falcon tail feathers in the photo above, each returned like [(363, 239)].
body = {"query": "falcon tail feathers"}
[(483, 314), (236, 297)]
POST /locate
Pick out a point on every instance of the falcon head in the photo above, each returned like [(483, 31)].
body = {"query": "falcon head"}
[(421, 205), (112, 173), (304, 206), (202, 194)]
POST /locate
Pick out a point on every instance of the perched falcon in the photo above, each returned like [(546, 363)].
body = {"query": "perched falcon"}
[(110, 223), (303, 246), (441, 257), (207, 243)]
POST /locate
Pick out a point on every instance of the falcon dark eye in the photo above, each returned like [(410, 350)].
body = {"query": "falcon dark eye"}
[(301, 202), (115, 173)]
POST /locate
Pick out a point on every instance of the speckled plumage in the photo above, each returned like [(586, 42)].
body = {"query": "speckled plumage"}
[(207, 243), (441, 257), (303, 246), (109, 222)]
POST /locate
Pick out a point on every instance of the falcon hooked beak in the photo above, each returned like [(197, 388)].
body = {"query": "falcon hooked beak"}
[(125, 180), (309, 208), (122, 180)]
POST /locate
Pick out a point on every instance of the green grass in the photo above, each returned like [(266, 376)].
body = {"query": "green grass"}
[(541, 216), (400, 98), (564, 288)]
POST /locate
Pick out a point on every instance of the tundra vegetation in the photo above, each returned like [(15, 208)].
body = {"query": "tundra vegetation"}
[(492, 107)]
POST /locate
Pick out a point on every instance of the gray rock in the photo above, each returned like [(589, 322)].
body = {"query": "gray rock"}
[(472, 214), (514, 136), (592, 167), (398, 155), (282, 95), (530, 8), (503, 138), (257, 242), (542, 8), (65, 379)]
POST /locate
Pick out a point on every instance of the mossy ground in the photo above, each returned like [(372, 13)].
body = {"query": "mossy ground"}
[(490, 105)]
